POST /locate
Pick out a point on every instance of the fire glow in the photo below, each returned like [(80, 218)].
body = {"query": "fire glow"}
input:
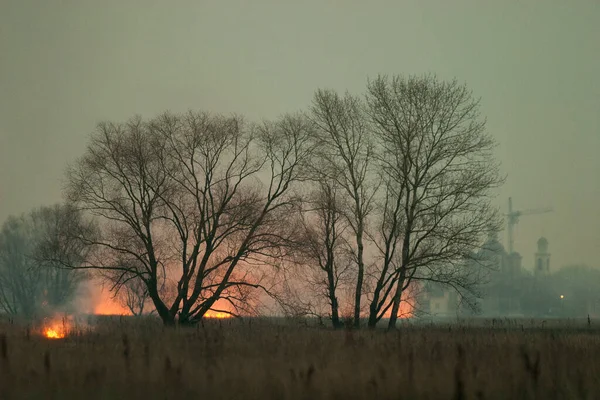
[(52, 333), (104, 303), (56, 329), (406, 311), (110, 307), (217, 314)]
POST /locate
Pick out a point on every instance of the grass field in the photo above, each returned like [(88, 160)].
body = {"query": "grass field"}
[(268, 359)]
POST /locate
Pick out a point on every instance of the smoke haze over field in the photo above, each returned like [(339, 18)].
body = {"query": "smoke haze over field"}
[(66, 65), (96, 298)]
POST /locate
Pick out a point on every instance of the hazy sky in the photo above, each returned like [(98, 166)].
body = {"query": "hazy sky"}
[(66, 65)]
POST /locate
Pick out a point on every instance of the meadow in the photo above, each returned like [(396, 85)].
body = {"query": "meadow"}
[(123, 358)]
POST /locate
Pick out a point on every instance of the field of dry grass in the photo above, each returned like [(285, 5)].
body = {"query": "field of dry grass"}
[(262, 359)]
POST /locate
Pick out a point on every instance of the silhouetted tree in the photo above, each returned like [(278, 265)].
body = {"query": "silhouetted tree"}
[(344, 155), (437, 165), (326, 249), (193, 206)]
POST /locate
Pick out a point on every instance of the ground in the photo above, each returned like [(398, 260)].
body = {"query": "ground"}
[(268, 359)]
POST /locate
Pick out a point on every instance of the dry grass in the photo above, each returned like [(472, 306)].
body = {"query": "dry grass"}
[(269, 360)]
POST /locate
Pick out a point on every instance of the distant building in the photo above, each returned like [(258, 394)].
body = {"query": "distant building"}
[(513, 291), (437, 302), (542, 258), (506, 283), (503, 288)]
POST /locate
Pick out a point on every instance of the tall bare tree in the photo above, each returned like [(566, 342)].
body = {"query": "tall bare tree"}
[(436, 160), (325, 246), (193, 205), (345, 156)]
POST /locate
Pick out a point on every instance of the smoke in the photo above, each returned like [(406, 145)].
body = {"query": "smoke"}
[(93, 297)]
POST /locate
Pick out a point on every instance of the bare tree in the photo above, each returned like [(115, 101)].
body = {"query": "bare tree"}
[(325, 248), (127, 289), (345, 156), (193, 205), (437, 164), (28, 284), (134, 296), (53, 225)]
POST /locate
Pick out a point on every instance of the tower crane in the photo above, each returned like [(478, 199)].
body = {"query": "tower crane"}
[(513, 219)]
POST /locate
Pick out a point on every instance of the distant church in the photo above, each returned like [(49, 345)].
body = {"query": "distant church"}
[(542, 258), (507, 282)]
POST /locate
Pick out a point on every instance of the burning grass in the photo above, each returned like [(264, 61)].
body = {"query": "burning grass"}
[(56, 327), (53, 333), (217, 314), (267, 359)]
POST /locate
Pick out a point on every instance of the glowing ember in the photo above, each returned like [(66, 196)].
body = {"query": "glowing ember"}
[(217, 314)]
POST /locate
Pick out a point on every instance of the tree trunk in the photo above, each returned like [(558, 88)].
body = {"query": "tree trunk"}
[(165, 315), (373, 312), (373, 307), (360, 275), (397, 299), (335, 313), (402, 277), (184, 314)]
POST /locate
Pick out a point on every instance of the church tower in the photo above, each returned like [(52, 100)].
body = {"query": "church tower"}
[(542, 258)]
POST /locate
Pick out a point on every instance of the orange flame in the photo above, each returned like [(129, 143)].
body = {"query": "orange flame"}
[(56, 328), (52, 333), (217, 314)]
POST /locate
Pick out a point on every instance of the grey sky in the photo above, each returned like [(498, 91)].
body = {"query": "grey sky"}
[(65, 65)]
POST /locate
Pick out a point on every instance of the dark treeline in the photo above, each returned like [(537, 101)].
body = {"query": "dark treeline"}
[(340, 210)]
